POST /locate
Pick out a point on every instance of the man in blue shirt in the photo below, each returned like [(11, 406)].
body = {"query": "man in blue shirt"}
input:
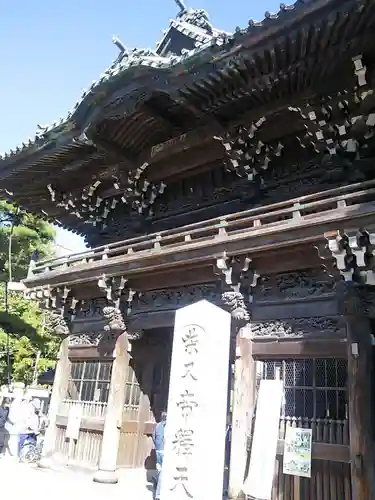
[(158, 440)]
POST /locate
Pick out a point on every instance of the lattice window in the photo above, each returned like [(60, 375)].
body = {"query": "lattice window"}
[(133, 389), (313, 388), (89, 381)]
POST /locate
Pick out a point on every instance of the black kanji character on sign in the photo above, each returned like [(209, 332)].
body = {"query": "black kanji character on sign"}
[(187, 403), (190, 340), (181, 480), (183, 442), (189, 371)]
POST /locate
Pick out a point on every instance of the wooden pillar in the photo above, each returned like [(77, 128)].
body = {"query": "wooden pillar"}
[(59, 391), (107, 471), (242, 412), (360, 393)]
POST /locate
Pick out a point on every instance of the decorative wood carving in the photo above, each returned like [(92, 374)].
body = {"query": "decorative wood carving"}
[(173, 298), (115, 324), (115, 320), (237, 278), (221, 192), (235, 303), (309, 283), (299, 327), (60, 324), (61, 306), (86, 339), (92, 309)]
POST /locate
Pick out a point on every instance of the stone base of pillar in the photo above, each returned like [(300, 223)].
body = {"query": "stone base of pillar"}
[(46, 463), (105, 477)]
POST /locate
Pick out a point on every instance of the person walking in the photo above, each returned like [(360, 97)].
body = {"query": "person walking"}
[(158, 440), (15, 422), (31, 424)]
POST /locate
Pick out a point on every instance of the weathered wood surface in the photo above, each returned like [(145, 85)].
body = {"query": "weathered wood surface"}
[(297, 221), (59, 392), (300, 349), (360, 388), (113, 418), (243, 404)]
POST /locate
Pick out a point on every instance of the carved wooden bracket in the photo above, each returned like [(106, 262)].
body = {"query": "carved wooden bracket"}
[(246, 154), (237, 278), (61, 306), (116, 291), (353, 252)]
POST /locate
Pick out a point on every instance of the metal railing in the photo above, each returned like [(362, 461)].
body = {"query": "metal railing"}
[(295, 210)]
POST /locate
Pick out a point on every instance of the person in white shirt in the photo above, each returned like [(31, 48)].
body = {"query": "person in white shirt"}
[(14, 423), (30, 425)]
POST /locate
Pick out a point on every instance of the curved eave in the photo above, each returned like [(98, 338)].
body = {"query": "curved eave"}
[(205, 60)]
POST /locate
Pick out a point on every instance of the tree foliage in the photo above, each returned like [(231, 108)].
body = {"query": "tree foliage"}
[(29, 234), (31, 343), (33, 348)]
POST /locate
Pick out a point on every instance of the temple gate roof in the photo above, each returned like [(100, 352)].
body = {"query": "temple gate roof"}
[(118, 144)]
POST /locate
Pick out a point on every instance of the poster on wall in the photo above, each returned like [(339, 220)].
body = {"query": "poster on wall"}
[(74, 422), (297, 452)]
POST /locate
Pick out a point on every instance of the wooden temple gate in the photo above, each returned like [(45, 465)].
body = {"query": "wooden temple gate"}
[(145, 397), (184, 192)]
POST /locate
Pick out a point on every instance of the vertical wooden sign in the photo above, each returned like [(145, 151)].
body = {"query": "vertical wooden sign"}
[(193, 466), (259, 481)]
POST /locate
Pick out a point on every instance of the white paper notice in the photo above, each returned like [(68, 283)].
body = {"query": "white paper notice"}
[(259, 481)]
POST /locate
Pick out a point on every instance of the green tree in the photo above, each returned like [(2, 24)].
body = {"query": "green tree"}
[(28, 234), (33, 348), (24, 326)]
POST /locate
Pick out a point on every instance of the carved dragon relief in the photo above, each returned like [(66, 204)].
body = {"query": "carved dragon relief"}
[(173, 298), (299, 327), (294, 285)]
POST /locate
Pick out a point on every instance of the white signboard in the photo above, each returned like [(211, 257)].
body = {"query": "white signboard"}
[(297, 452), (193, 465), (259, 481), (74, 422)]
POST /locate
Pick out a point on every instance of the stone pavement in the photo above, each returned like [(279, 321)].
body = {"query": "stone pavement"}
[(20, 479)]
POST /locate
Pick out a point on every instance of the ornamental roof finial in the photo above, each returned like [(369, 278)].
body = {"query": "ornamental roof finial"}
[(180, 5), (119, 44)]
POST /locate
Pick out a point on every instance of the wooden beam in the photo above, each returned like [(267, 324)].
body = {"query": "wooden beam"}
[(114, 150), (299, 349), (323, 451), (93, 424), (88, 352)]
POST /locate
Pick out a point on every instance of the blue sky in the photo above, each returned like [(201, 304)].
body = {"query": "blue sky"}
[(50, 51)]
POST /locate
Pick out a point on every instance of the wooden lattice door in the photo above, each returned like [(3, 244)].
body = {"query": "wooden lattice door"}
[(146, 394)]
